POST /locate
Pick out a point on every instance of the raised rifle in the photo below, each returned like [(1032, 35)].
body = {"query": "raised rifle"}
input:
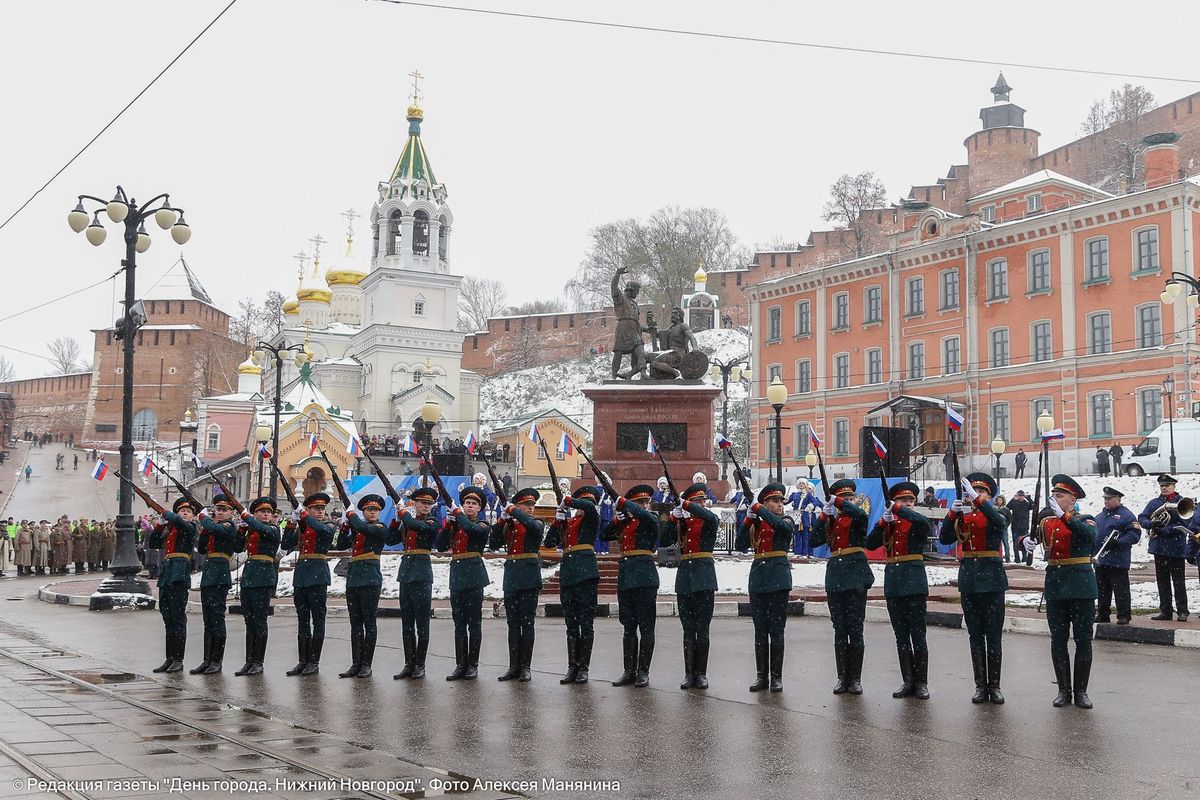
[(183, 492), (228, 494), (287, 486), (437, 479), (397, 500), (667, 475), (887, 505), (337, 483), (553, 474), (963, 538), (147, 499), (605, 483), (497, 486)]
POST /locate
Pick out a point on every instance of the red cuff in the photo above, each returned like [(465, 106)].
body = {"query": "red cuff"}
[(350, 512), (978, 501), (245, 515), (837, 501), (756, 507), (620, 502), (511, 508), (566, 498), (304, 512)]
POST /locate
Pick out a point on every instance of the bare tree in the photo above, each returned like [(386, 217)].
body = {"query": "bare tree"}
[(272, 314), (1117, 123), (551, 305), (778, 244), (64, 355), (7, 370), (479, 299), (849, 197), (253, 322)]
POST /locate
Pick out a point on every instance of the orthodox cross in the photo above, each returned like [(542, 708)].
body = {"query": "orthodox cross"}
[(302, 259), (350, 214), (416, 84), (317, 241)]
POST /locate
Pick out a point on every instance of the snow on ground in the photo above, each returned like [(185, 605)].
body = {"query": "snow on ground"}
[(513, 395), (1143, 595)]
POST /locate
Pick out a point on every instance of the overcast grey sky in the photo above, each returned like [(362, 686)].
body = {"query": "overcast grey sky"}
[(288, 112)]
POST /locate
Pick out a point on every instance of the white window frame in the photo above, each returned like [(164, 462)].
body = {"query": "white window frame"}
[(804, 376), (958, 356), (841, 448), (839, 358), (1087, 260), (868, 318), (1033, 203), (212, 438), (804, 318), (1137, 325), (1141, 393), (1108, 343), (1134, 237), (1091, 412), (988, 213), (877, 376), (774, 323), (992, 346), (990, 267), (841, 303), (945, 304), (1029, 268), (917, 281), (1033, 351), (917, 347)]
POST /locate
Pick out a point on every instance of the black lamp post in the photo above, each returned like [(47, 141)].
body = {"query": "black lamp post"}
[(1169, 391), (262, 435), (277, 352), (124, 587), (997, 451), (777, 396), (726, 372), (431, 412)]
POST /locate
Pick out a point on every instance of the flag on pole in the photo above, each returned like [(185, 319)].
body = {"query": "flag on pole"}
[(954, 419), (565, 445), (470, 442), (198, 461), (354, 449), (263, 452), (313, 445), (651, 445), (410, 444), (1057, 433), (723, 443), (533, 432), (880, 450), (146, 466), (812, 437), (100, 470)]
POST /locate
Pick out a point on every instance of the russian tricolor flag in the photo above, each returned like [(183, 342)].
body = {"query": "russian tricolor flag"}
[(470, 442), (880, 450), (1057, 433), (410, 444), (313, 445), (263, 452), (100, 470), (533, 433), (565, 445), (651, 445), (954, 419), (355, 449), (723, 443), (812, 437), (146, 466)]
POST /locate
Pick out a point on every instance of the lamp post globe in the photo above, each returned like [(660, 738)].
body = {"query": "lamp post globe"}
[(777, 396), (810, 461)]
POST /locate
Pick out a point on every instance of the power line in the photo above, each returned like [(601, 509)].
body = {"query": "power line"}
[(786, 42), (61, 297), (128, 105)]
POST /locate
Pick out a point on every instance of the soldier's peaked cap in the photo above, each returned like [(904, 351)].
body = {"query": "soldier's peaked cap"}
[(472, 491), (371, 500), (527, 495), (981, 480), (259, 502), (770, 491), (844, 486), (184, 502), (316, 497), (695, 490), (425, 493), (1065, 483), (641, 491), (904, 489)]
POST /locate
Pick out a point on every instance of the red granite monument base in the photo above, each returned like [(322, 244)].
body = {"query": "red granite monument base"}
[(680, 413)]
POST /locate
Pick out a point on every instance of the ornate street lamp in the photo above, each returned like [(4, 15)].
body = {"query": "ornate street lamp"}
[(262, 435), (997, 451), (727, 373), (431, 412), (303, 355), (1045, 424), (810, 461), (1169, 391), (777, 395)]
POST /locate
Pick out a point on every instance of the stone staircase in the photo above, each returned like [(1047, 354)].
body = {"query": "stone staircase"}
[(608, 565)]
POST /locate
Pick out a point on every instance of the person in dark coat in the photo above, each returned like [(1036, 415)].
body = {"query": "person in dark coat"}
[(260, 541), (1102, 462), (1169, 546), (417, 530), (465, 534), (635, 526), (1117, 531), (695, 530), (576, 525), (766, 529), (1021, 508), (312, 536), (521, 534), (1116, 452), (177, 538), (1070, 588), (364, 537), (1019, 462)]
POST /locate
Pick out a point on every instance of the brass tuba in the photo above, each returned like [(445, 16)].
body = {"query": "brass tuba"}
[(1162, 516)]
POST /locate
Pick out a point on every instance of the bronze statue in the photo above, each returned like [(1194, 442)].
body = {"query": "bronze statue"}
[(628, 338), (680, 357)]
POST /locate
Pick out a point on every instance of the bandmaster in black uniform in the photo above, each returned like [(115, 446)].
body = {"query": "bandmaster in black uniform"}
[(636, 527), (578, 575), (843, 526), (312, 536), (260, 540), (521, 535), (417, 529), (465, 534), (176, 537), (770, 533), (364, 537)]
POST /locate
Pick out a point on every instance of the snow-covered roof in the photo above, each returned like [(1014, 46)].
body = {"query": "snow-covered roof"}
[(930, 401), (191, 326), (1039, 177), (543, 414)]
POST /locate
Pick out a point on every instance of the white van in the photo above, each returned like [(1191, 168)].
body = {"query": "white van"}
[(1152, 455)]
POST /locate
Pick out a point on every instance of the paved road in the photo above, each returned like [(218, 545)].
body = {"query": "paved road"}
[(50, 493), (659, 742)]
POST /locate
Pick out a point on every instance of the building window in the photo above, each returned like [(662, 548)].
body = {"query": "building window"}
[(1000, 420), (803, 376), (1100, 406), (999, 347), (1149, 325), (997, 279), (420, 240), (1039, 271), (1096, 258), (841, 370), (800, 440), (214, 438), (916, 361), (1099, 333), (774, 371), (841, 311), (874, 304), (1149, 409), (875, 366), (951, 355), (916, 296), (1033, 203), (841, 437), (393, 234), (803, 318), (145, 425), (773, 324), (1043, 341), (418, 376), (988, 213), (1039, 405), (418, 308), (949, 289), (1147, 250)]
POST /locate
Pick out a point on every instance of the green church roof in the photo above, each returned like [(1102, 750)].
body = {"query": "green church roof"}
[(413, 163)]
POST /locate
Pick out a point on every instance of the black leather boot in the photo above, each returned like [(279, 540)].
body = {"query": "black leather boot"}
[(356, 640), (921, 674), (854, 668), (762, 680), (629, 648), (313, 665), (777, 665), (203, 665), (572, 660), (472, 672), (841, 655), (169, 645), (249, 654), (260, 653), (216, 655), (368, 655), (410, 649), (645, 654), (701, 679), (979, 668), (689, 664), (526, 658), (583, 659), (303, 643), (460, 657), (514, 657), (1083, 672), (906, 689), (177, 658), (419, 657), (993, 678), (1062, 676)]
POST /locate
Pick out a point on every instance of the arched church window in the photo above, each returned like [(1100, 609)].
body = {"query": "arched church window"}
[(393, 238), (375, 240), (418, 376), (145, 425), (444, 238), (364, 388), (420, 244), (399, 380)]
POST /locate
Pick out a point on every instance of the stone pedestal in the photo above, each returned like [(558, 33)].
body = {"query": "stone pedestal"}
[(681, 415)]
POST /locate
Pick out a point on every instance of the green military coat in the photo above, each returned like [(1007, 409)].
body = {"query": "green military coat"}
[(417, 535), (260, 540), (985, 528), (847, 531), (910, 535), (521, 535), (1071, 537), (696, 537), (219, 541), (465, 539), (638, 532), (176, 536), (577, 537), (365, 541), (313, 538)]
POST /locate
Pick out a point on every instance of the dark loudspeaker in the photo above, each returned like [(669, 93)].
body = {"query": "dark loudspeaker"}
[(450, 463), (897, 441)]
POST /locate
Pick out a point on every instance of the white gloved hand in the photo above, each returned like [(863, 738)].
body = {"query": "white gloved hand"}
[(504, 515), (1057, 509), (969, 490), (750, 515), (677, 512), (888, 516), (295, 515), (959, 507), (830, 509), (560, 515), (620, 516)]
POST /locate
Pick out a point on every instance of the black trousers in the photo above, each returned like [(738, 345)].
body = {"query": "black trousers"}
[(769, 612), (1019, 472), (172, 604), (696, 612), (1066, 618), (983, 613), (212, 602), (636, 611), (256, 602), (579, 607), (310, 610), (1169, 571), (362, 604), (907, 614), (1113, 581), (415, 602), (466, 607), (520, 609), (848, 610)]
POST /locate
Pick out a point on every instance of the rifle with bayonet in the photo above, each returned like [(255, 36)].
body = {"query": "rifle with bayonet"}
[(605, 483), (287, 486), (228, 494), (150, 502), (397, 500), (183, 492), (497, 486), (337, 483), (437, 479), (667, 475), (558, 494)]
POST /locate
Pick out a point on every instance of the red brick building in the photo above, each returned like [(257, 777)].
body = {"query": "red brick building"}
[(55, 405)]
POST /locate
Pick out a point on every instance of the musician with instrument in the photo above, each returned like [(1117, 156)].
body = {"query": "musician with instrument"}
[(904, 533), (521, 534), (312, 536), (260, 540), (766, 529), (636, 527), (695, 530), (1117, 531), (176, 537), (1070, 588), (219, 540), (1168, 518), (465, 535), (976, 525), (576, 525), (843, 526), (364, 537), (805, 504), (418, 530)]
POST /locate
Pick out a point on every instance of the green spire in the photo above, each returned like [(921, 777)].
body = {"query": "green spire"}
[(414, 163)]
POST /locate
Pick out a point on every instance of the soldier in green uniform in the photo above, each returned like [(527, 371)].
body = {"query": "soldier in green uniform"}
[(766, 530), (465, 534), (636, 527), (843, 526), (1070, 588), (904, 534), (176, 537), (521, 535), (312, 536), (364, 538), (578, 575), (260, 540), (218, 540), (418, 530), (979, 527), (695, 530)]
